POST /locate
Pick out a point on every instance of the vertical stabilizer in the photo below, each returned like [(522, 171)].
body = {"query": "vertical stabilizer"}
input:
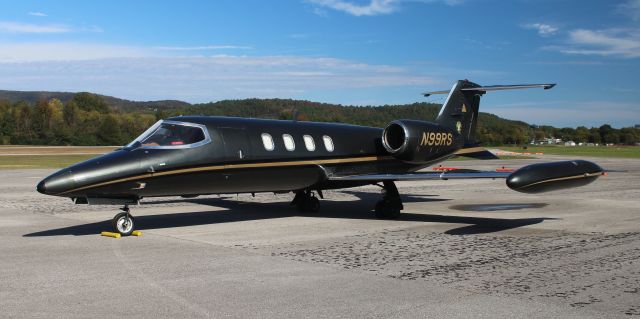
[(460, 110)]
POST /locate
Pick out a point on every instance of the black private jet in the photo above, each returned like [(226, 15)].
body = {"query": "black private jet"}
[(197, 155)]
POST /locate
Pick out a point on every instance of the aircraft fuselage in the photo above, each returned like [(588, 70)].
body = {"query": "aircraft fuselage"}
[(241, 156)]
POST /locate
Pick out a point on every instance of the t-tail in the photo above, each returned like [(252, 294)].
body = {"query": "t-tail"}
[(460, 112)]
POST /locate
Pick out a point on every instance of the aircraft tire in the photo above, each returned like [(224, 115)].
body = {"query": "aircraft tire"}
[(309, 205), (385, 211), (313, 205), (123, 223)]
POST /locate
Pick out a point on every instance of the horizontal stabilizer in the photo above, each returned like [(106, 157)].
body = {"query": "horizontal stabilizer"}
[(477, 153), (545, 86)]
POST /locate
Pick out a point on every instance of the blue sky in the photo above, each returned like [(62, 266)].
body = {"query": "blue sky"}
[(368, 52)]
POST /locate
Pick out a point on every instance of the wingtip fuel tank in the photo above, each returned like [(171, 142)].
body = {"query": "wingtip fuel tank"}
[(544, 177)]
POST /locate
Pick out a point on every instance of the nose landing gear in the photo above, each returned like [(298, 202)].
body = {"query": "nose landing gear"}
[(123, 222)]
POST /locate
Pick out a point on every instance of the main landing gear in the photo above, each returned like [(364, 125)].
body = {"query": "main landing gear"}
[(123, 221), (306, 201), (391, 204)]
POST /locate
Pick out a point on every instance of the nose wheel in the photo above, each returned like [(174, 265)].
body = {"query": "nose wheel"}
[(123, 222)]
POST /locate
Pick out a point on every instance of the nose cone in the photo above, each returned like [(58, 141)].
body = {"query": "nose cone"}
[(56, 183), (42, 187), (71, 181)]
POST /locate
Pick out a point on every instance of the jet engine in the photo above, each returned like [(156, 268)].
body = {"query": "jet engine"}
[(544, 177), (417, 141)]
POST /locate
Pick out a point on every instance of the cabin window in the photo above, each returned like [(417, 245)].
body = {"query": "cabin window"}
[(328, 143), (174, 134), (267, 141), (289, 144), (309, 143)]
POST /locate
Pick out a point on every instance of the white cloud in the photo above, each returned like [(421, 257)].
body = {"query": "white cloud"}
[(201, 79), (630, 8), (18, 27), (204, 48), (612, 42), (542, 28), (371, 8), (37, 14), (375, 7), (61, 51), (93, 28), (299, 36)]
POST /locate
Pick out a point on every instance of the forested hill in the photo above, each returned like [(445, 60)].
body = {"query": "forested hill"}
[(33, 97), (51, 118)]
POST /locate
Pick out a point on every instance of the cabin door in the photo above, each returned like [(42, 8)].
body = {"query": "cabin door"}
[(236, 143)]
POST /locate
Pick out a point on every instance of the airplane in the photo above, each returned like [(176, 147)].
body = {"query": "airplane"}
[(190, 156)]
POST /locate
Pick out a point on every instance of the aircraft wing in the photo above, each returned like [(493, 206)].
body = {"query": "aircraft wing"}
[(458, 174), (533, 178)]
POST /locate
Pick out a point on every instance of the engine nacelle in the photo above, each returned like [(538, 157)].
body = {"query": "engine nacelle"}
[(418, 141), (538, 178)]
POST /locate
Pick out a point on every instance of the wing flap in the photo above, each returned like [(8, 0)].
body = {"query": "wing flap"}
[(421, 176)]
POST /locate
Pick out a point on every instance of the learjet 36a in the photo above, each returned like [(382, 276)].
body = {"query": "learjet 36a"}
[(197, 155)]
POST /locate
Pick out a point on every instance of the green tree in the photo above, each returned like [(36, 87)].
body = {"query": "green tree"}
[(90, 102), (70, 113), (109, 131), (605, 130), (23, 133), (7, 122), (594, 135), (582, 134)]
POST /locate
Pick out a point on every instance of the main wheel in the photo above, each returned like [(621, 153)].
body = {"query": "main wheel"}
[(384, 211), (123, 223), (313, 205), (308, 205)]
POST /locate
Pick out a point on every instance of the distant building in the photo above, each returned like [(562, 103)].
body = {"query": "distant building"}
[(550, 141)]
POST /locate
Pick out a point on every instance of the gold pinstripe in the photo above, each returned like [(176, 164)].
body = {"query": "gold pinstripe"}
[(234, 166), (585, 175)]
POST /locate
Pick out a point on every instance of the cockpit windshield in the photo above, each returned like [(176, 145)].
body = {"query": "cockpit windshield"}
[(172, 134)]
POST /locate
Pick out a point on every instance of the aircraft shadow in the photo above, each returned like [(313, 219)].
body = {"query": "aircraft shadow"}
[(237, 211)]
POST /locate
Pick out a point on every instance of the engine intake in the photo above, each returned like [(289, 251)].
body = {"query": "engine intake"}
[(395, 137), (418, 141)]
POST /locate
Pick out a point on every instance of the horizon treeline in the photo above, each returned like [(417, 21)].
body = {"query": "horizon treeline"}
[(87, 119)]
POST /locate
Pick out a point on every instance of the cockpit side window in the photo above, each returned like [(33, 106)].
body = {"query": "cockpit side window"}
[(172, 134)]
